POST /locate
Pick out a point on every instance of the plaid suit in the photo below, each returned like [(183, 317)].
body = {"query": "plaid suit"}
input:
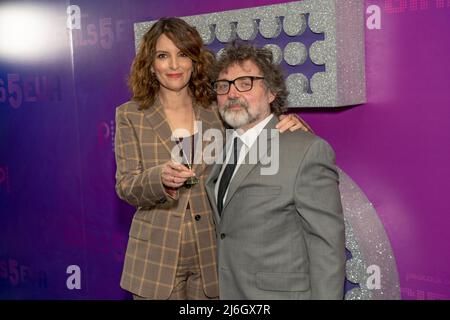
[(142, 146)]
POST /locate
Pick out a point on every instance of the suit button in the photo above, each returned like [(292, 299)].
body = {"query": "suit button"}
[(222, 236), (162, 200), (197, 217)]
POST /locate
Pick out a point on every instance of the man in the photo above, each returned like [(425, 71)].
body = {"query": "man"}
[(280, 231)]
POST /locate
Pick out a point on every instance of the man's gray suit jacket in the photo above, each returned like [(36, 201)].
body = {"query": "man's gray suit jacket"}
[(281, 236)]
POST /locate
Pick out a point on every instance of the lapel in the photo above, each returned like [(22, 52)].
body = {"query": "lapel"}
[(210, 187), (157, 118), (246, 167), (205, 119)]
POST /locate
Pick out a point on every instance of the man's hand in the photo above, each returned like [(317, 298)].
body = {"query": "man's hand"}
[(292, 122)]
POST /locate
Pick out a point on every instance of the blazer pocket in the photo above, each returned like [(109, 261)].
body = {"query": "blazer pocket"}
[(263, 191), (277, 281)]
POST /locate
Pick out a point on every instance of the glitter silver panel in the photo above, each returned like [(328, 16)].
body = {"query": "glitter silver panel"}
[(318, 22), (270, 27), (276, 51), (350, 63), (297, 83), (341, 51), (295, 53), (356, 267), (321, 83), (207, 33), (294, 24), (368, 243), (247, 30), (139, 30), (226, 31), (317, 52)]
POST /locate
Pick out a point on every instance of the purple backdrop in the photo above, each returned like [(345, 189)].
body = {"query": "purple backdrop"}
[(57, 201)]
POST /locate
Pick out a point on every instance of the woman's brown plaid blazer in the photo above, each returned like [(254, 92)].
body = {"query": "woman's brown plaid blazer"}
[(142, 145)]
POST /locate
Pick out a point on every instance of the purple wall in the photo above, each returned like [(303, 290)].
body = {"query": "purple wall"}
[(57, 201)]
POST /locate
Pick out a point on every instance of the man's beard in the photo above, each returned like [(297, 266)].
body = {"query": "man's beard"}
[(239, 118)]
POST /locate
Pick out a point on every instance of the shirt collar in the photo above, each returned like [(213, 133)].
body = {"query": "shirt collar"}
[(249, 137)]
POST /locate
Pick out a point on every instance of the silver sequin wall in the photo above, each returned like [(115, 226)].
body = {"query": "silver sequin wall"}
[(369, 246), (329, 72)]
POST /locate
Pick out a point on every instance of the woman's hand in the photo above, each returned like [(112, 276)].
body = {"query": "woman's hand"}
[(173, 175), (292, 122)]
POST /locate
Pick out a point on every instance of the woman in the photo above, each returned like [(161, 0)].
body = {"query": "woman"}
[(171, 251)]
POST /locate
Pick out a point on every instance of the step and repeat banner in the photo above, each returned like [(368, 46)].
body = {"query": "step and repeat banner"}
[(371, 77)]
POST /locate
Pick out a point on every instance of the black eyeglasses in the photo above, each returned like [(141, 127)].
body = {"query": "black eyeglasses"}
[(241, 84)]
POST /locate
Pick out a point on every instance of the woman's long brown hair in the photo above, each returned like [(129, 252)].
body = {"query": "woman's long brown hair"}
[(143, 83)]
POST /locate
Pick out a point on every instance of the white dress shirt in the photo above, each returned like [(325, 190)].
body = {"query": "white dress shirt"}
[(247, 138)]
